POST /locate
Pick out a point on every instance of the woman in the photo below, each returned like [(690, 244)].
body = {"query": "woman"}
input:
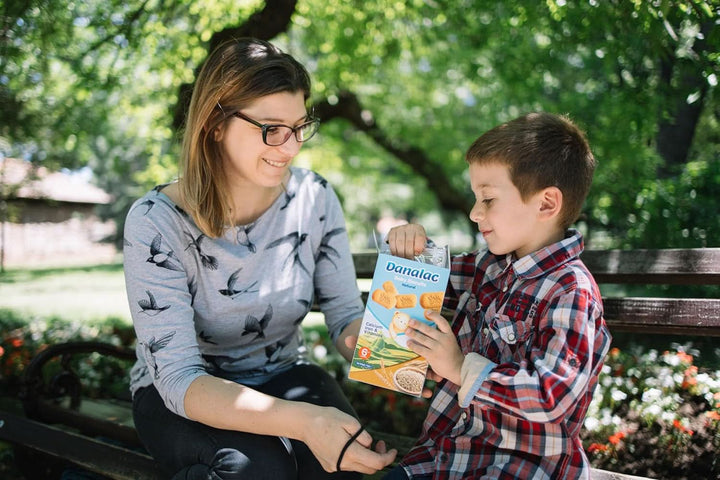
[(222, 266)]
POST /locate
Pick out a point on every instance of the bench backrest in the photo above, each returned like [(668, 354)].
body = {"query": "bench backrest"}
[(685, 316)]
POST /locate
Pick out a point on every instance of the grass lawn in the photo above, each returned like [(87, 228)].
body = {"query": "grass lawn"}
[(73, 293)]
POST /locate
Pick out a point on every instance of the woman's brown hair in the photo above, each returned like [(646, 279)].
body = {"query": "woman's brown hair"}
[(236, 73)]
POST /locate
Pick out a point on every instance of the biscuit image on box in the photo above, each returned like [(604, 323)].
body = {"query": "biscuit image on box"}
[(406, 300), (432, 300), (389, 287), (383, 298)]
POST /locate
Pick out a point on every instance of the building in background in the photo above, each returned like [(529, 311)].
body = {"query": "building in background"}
[(49, 218)]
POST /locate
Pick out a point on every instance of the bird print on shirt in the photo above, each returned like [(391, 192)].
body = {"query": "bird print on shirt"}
[(253, 325), (295, 239), (320, 179), (325, 250), (208, 261), (231, 291), (182, 212), (288, 198), (273, 351), (306, 305), (153, 346), (243, 238), (149, 204), (192, 289), (323, 300), (158, 188), (161, 258), (150, 306), (206, 338)]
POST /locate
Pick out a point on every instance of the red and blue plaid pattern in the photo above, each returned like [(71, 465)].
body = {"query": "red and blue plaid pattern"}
[(540, 320)]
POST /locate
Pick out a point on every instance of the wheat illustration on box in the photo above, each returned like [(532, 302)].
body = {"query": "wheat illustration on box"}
[(401, 289)]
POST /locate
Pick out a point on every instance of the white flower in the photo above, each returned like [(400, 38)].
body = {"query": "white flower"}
[(651, 395), (668, 416), (653, 410), (618, 395), (319, 352), (592, 423)]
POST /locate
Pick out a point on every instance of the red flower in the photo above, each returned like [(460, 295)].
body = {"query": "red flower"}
[(597, 447), (677, 424), (685, 358), (16, 342), (2, 351), (689, 377), (615, 439), (713, 415)]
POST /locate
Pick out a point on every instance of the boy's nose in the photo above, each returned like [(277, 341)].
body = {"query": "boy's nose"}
[(475, 214)]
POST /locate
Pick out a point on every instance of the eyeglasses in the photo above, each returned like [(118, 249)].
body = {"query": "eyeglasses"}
[(277, 134)]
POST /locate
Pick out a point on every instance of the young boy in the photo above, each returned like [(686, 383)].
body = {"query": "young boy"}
[(518, 365)]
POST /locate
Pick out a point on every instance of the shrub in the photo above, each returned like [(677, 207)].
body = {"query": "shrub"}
[(656, 415), (23, 338)]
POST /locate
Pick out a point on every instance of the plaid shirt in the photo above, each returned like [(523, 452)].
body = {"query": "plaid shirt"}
[(539, 322)]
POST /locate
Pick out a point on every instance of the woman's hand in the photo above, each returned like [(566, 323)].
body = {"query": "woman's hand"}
[(328, 430), (438, 345), (407, 240)]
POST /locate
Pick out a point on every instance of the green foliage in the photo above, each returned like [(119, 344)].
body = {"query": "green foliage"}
[(95, 83), (23, 338)]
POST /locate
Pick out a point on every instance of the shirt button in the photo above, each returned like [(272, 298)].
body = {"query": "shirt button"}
[(505, 288), (443, 457), (463, 416), (511, 337), (485, 331)]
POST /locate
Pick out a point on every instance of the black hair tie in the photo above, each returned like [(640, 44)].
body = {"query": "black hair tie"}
[(347, 445)]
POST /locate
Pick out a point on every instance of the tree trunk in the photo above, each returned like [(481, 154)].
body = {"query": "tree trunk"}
[(682, 79)]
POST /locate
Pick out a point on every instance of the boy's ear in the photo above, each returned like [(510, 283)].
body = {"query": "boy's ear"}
[(550, 203)]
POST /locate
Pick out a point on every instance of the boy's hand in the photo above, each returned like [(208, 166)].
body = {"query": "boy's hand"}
[(438, 345), (407, 241), (429, 391)]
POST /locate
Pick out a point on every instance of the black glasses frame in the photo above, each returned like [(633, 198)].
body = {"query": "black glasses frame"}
[(293, 130)]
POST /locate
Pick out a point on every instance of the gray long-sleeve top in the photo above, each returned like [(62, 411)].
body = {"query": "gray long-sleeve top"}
[(232, 306)]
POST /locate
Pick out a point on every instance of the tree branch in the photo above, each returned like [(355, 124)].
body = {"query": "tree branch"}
[(264, 24), (348, 107)]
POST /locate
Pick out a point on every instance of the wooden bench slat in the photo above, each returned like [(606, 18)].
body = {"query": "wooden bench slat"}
[(672, 266), (109, 460), (687, 316)]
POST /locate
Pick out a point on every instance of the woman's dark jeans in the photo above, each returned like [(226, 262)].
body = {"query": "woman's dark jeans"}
[(190, 450)]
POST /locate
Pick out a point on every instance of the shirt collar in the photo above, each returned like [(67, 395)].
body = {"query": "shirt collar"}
[(540, 261)]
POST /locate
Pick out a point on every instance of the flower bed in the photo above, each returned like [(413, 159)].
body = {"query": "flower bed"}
[(656, 415)]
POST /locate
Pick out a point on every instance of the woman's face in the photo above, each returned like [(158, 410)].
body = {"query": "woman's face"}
[(247, 160)]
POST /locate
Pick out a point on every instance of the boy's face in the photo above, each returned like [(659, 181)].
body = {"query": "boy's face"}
[(506, 222)]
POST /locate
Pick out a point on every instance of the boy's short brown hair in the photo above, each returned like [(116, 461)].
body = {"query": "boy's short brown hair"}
[(541, 150)]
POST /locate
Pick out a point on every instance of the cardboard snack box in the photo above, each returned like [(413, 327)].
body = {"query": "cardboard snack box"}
[(401, 289)]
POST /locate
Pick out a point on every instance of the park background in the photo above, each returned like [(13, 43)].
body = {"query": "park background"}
[(95, 91)]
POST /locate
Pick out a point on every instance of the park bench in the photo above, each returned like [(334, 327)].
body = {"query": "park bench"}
[(58, 425)]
